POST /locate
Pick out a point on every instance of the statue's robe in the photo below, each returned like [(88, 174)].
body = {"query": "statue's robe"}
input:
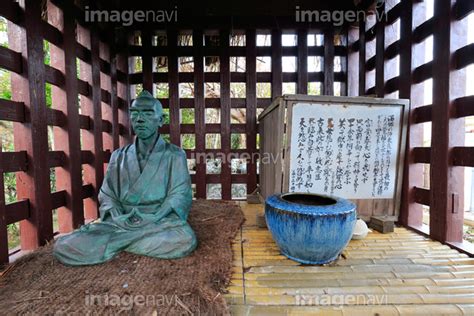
[(162, 188)]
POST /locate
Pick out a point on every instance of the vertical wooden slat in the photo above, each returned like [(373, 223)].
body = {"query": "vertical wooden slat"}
[(362, 57), (147, 65), (446, 185), (411, 213), (124, 93), (173, 83), (302, 67), (379, 52), (32, 136), (106, 106), (225, 113), (95, 174), (277, 77), (251, 98), (329, 62), (114, 98), (87, 109), (67, 137), (3, 222), (199, 113)]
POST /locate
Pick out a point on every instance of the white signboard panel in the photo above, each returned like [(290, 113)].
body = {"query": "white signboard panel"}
[(348, 151)]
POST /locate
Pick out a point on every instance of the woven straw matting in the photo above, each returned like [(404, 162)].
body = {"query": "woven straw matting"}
[(132, 284)]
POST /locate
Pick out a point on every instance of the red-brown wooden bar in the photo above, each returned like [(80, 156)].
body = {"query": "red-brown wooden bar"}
[(251, 105), (32, 136), (225, 113), (199, 112), (67, 137)]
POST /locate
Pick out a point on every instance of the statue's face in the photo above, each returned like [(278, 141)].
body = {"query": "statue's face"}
[(146, 119)]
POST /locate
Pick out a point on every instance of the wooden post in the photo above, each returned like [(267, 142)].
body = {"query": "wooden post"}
[(446, 185), (251, 105), (329, 62), (225, 114), (173, 87), (302, 67), (66, 137), (199, 113), (4, 256), (32, 136), (380, 52), (362, 58), (411, 213), (114, 100), (91, 106), (277, 75), (147, 65), (124, 93)]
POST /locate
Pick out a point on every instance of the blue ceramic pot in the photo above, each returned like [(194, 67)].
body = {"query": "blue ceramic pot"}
[(310, 228)]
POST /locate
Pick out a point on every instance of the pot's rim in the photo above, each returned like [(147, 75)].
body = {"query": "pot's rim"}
[(340, 206)]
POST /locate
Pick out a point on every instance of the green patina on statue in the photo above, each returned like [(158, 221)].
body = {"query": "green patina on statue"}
[(144, 200)]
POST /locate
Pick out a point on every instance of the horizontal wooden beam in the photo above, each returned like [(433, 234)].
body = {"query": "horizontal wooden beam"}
[(463, 8), (370, 65), (17, 211), (464, 57), (421, 154), (393, 50), (87, 191), (464, 106), (87, 157), (12, 111), (394, 14), (370, 34), (370, 91), (56, 159), (83, 53), (52, 34), (234, 51), (83, 87), (56, 117), (106, 126), (392, 85), (58, 199), (423, 31), (422, 114), (85, 122), (14, 161), (105, 96), (463, 156), (11, 11), (423, 72), (10, 60), (188, 77), (422, 196), (54, 76)]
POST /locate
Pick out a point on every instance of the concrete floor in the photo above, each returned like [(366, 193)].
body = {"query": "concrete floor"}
[(401, 273)]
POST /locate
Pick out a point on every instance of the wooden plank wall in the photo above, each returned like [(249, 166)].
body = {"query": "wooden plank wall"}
[(99, 119), (451, 55), (250, 51)]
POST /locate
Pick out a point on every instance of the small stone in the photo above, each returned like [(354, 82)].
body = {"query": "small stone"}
[(125, 285)]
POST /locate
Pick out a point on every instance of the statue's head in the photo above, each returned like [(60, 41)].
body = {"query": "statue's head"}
[(146, 114)]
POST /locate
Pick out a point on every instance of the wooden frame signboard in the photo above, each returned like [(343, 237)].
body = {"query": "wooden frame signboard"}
[(351, 147)]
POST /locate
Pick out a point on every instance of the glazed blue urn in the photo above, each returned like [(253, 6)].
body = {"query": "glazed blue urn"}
[(310, 228)]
